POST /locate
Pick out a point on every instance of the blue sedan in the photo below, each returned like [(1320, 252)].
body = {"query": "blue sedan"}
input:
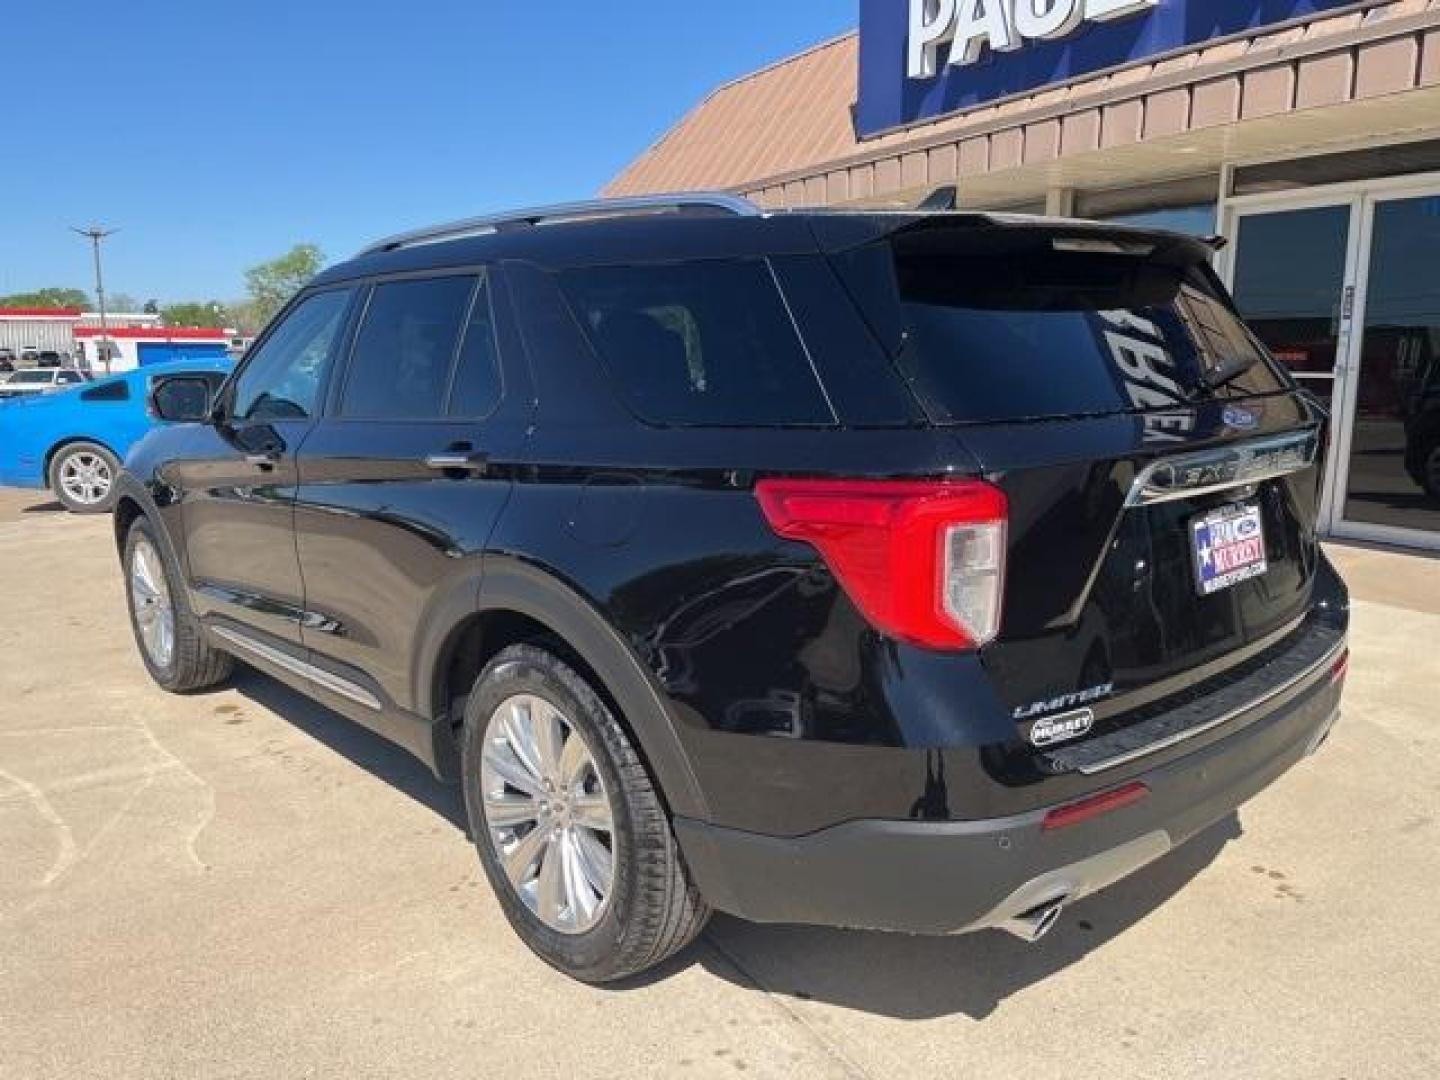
[(73, 441)]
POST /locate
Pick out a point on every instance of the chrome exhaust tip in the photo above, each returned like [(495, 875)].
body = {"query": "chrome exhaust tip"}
[(1034, 924)]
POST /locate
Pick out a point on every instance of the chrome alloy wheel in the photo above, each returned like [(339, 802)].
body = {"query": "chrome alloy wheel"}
[(547, 814), (86, 477), (150, 601)]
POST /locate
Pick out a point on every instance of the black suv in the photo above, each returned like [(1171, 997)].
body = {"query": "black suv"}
[(919, 571)]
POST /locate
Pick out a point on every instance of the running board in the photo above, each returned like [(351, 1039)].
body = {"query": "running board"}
[(326, 680)]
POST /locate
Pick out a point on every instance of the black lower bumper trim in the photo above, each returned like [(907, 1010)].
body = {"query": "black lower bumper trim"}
[(1258, 681)]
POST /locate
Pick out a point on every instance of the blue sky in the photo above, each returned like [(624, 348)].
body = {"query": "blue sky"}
[(215, 134)]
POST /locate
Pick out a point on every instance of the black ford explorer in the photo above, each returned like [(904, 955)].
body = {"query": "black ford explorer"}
[(921, 571)]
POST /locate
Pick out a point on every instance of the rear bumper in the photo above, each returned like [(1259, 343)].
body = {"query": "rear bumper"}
[(948, 877), (21, 470)]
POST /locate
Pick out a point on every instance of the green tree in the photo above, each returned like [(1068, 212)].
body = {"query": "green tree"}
[(152, 307), (51, 297), (272, 283), (194, 313), (242, 316)]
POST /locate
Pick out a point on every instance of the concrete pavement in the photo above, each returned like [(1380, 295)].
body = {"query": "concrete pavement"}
[(242, 884)]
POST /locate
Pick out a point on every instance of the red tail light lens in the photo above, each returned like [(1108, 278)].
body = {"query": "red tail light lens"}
[(924, 560), (1074, 813), (1341, 667)]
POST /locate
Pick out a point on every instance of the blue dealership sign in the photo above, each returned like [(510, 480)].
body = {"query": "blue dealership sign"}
[(921, 59)]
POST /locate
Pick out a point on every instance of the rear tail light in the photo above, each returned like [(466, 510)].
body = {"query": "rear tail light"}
[(924, 560)]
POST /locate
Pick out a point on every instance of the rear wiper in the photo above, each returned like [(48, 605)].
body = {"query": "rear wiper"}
[(1223, 376)]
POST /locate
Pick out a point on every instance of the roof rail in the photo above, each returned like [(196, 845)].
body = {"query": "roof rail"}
[(687, 202)]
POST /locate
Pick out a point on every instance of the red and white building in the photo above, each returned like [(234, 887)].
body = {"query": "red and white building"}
[(135, 338), (136, 346)]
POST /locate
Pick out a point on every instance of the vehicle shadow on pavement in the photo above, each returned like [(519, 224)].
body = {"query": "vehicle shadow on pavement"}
[(894, 975), (54, 506), (919, 978), (376, 755)]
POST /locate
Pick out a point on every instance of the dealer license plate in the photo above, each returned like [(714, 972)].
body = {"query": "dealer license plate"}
[(1229, 547)]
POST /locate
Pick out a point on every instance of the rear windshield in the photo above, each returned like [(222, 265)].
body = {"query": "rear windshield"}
[(33, 377), (1012, 335)]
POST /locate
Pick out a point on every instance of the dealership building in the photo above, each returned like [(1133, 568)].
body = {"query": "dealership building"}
[(1305, 132)]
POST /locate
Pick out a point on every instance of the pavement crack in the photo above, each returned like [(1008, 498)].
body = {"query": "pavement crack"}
[(68, 853), (826, 1046), (208, 813)]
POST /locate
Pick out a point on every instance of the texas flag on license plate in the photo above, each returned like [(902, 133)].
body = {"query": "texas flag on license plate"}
[(1229, 547)]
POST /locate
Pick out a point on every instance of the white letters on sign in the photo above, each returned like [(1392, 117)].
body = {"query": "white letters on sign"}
[(967, 26)]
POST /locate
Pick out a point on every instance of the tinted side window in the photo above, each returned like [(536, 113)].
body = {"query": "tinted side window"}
[(281, 380), (69, 377), (112, 391), (699, 343), (476, 387), (400, 367)]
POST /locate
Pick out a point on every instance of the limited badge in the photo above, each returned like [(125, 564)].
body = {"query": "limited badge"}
[(1062, 727)]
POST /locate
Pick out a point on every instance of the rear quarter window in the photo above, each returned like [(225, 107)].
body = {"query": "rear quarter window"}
[(111, 391), (706, 343)]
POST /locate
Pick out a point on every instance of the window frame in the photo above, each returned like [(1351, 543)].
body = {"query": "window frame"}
[(485, 277), (225, 397)]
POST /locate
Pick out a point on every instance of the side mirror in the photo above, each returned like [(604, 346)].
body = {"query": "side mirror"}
[(184, 399)]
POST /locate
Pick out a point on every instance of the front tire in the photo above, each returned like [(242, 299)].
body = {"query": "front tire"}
[(171, 640), (82, 476), (1430, 469), (570, 828)]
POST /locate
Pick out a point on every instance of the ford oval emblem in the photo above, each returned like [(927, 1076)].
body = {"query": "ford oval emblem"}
[(1241, 419)]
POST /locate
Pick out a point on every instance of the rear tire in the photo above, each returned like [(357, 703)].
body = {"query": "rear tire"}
[(82, 476), (171, 641), (556, 893)]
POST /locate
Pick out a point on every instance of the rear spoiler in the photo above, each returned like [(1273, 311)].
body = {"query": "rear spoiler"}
[(838, 231)]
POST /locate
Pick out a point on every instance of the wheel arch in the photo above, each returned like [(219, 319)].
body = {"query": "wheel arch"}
[(521, 602), (132, 502), (127, 511)]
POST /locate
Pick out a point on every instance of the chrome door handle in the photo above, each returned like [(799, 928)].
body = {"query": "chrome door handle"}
[(264, 461), (458, 462)]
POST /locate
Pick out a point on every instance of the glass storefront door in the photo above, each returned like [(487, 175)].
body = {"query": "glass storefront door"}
[(1292, 274), (1343, 290), (1291, 269), (1392, 467)]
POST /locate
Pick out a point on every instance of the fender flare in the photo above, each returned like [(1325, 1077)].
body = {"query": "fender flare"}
[(512, 585)]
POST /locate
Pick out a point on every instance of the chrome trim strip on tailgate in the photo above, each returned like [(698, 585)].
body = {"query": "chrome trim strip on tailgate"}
[(319, 676), (1210, 725), (1184, 476)]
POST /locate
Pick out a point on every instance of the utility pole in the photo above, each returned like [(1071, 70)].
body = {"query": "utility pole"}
[(96, 233)]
